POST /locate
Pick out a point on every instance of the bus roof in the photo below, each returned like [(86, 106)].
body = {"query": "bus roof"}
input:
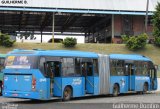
[(73, 53), (130, 57), (61, 53), (2, 55)]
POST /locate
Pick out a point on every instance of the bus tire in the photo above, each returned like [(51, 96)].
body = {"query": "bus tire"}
[(152, 84), (145, 87), (67, 93), (115, 90)]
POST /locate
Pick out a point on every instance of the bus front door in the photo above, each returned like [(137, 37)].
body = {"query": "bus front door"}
[(131, 76), (89, 78), (53, 73), (153, 79)]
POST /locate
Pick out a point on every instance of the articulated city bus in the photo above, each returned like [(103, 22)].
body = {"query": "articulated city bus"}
[(2, 60), (45, 74)]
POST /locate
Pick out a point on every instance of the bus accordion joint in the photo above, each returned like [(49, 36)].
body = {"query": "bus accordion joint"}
[(33, 83)]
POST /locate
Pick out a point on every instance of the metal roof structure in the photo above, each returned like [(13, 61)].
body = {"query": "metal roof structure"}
[(78, 16), (80, 5), (37, 21)]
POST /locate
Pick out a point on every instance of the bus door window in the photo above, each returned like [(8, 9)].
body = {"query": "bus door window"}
[(95, 67), (57, 69), (89, 69), (84, 68), (153, 71), (78, 67), (132, 67), (53, 69), (129, 69), (49, 69)]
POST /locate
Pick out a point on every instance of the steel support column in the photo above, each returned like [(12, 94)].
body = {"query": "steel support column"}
[(112, 28), (41, 35), (146, 17), (53, 28)]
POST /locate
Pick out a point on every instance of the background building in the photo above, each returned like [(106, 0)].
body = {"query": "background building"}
[(100, 21)]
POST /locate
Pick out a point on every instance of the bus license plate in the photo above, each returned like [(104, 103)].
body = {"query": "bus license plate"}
[(15, 95)]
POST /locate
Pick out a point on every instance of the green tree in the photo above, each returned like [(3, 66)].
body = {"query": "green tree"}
[(5, 40), (136, 42), (26, 35), (69, 42), (156, 25)]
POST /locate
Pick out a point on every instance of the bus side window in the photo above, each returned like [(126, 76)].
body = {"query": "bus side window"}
[(138, 67), (145, 68), (68, 67), (117, 67), (120, 67), (113, 67)]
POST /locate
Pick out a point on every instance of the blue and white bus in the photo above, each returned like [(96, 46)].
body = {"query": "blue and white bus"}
[(45, 74)]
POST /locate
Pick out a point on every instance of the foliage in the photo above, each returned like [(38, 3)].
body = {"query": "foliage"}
[(156, 25), (5, 40), (26, 35), (136, 42), (125, 38), (69, 42)]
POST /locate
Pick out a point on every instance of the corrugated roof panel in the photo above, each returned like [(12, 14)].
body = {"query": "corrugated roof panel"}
[(116, 5)]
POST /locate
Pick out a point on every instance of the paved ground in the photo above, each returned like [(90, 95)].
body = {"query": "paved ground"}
[(98, 102)]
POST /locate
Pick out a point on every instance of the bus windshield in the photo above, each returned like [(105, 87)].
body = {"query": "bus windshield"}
[(21, 62)]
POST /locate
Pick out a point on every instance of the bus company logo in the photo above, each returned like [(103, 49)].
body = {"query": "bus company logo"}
[(42, 80), (6, 78), (14, 2), (77, 81), (142, 78)]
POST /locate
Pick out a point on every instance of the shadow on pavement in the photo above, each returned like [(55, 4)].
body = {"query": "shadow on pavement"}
[(27, 101)]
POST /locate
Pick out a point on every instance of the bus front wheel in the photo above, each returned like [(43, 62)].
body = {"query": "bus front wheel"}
[(145, 88), (67, 93), (115, 90)]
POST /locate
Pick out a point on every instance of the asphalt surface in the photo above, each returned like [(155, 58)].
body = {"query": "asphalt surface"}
[(96, 102)]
